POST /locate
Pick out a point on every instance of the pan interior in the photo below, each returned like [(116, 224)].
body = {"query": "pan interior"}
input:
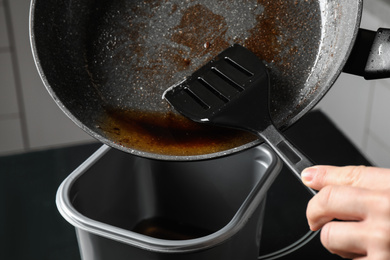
[(137, 49), (137, 53), (116, 59)]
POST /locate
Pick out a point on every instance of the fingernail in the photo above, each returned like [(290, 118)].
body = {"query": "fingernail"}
[(308, 174)]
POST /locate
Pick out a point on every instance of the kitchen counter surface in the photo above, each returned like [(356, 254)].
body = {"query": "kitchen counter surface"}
[(32, 228)]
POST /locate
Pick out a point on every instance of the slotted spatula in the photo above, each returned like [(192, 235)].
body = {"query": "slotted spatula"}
[(232, 90)]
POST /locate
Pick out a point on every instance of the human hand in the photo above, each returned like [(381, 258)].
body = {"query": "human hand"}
[(360, 197)]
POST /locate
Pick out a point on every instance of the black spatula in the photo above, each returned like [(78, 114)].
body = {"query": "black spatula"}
[(232, 90)]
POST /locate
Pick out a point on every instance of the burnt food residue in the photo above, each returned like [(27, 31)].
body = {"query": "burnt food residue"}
[(137, 49)]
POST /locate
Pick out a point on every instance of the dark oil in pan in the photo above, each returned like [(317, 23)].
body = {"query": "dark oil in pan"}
[(169, 134), (169, 229)]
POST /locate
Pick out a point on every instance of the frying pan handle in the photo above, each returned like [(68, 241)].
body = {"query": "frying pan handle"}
[(291, 156), (370, 56)]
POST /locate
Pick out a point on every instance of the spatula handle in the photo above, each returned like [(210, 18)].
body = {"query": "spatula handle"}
[(291, 156)]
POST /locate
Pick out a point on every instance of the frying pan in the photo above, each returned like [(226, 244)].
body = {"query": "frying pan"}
[(107, 63)]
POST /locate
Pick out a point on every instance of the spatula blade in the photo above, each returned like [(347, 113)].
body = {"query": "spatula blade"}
[(208, 90)]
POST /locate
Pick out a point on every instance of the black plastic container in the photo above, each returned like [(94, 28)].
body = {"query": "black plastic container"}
[(127, 207)]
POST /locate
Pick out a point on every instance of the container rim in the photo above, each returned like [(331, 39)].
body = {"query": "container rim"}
[(272, 164)]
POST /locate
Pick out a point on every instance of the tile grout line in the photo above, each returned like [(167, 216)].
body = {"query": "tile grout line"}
[(374, 136), (16, 73), (368, 116), (9, 116), (4, 49)]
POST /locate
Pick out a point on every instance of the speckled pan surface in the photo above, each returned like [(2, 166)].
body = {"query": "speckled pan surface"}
[(107, 63)]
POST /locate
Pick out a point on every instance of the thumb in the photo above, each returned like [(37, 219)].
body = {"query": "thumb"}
[(318, 177)]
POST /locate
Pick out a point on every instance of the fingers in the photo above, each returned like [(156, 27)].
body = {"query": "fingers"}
[(347, 239), (356, 240), (360, 197), (337, 202), (318, 177), (364, 230)]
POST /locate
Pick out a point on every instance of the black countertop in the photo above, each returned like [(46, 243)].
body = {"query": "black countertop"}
[(32, 228)]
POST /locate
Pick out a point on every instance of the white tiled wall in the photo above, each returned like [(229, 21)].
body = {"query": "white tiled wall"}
[(3, 29), (29, 118), (361, 108), (10, 128)]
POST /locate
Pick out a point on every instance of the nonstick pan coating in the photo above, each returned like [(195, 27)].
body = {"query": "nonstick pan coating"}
[(107, 63)]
